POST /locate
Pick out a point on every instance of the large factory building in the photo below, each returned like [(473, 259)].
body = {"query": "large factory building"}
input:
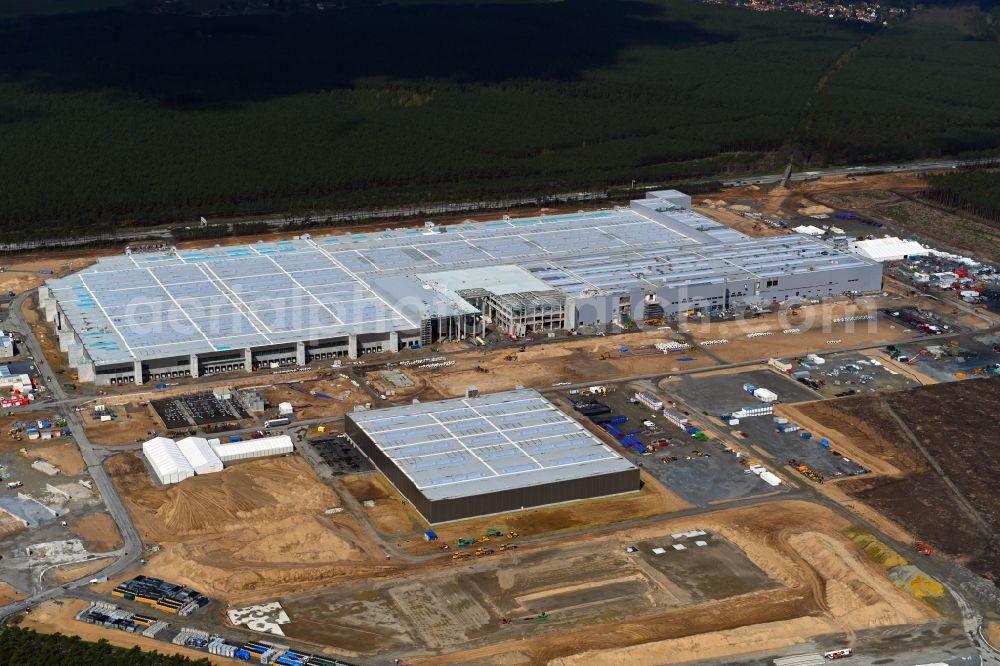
[(141, 317), (466, 457)]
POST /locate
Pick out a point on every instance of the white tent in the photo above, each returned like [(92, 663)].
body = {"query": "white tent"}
[(808, 230), (254, 448), (200, 455), (166, 460), (889, 248)]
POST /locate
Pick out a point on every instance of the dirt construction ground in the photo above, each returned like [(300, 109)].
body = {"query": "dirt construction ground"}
[(763, 582), (396, 518), (906, 487), (98, 531), (256, 528)]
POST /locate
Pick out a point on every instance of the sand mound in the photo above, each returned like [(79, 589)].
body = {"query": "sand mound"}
[(304, 539), (854, 594), (815, 210), (239, 498)]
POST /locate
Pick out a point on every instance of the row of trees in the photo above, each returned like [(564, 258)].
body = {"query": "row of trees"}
[(974, 192), (24, 647)]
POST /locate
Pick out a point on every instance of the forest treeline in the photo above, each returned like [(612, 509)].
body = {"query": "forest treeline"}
[(976, 192), (24, 647), (124, 118)]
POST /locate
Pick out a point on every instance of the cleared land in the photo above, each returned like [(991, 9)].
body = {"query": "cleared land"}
[(799, 570), (899, 210), (956, 424), (69, 572), (64, 456), (247, 532), (396, 518), (98, 531)]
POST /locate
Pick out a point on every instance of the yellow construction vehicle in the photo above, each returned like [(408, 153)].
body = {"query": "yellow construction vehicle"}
[(510, 357), (483, 539), (461, 556), (512, 535)]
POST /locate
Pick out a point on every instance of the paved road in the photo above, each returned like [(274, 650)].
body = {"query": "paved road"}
[(132, 549), (936, 165)]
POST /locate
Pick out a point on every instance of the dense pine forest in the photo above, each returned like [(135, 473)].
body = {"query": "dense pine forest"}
[(23, 647), (975, 192), (121, 115)]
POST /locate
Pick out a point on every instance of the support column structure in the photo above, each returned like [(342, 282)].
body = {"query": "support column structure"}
[(352, 346), (194, 365), (300, 353), (394, 341), (248, 359), (138, 372)]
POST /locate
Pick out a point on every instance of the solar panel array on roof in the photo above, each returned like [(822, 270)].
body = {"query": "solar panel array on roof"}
[(145, 306)]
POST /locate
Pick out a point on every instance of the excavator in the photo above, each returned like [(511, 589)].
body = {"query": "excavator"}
[(510, 357)]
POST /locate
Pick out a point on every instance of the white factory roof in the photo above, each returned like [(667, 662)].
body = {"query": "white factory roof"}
[(471, 446), (254, 448), (889, 248), (200, 455), (166, 460), (154, 305)]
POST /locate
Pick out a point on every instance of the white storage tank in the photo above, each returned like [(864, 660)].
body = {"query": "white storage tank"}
[(200, 455), (254, 448), (166, 460)]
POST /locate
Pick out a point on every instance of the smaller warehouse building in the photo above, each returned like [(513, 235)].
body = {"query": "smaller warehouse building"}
[(166, 461), (455, 459)]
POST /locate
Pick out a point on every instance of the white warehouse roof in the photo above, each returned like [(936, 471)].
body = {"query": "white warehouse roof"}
[(166, 460), (254, 448), (200, 455), (889, 248)]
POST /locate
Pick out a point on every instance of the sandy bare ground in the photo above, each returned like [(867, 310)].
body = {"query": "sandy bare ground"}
[(70, 572), (9, 524), (733, 219), (817, 332), (253, 530), (59, 616), (132, 422), (396, 518), (825, 579), (98, 531), (65, 456), (8, 594)]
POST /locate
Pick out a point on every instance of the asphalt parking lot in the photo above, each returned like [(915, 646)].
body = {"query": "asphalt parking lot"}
[(723, 394), (700, 472)]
